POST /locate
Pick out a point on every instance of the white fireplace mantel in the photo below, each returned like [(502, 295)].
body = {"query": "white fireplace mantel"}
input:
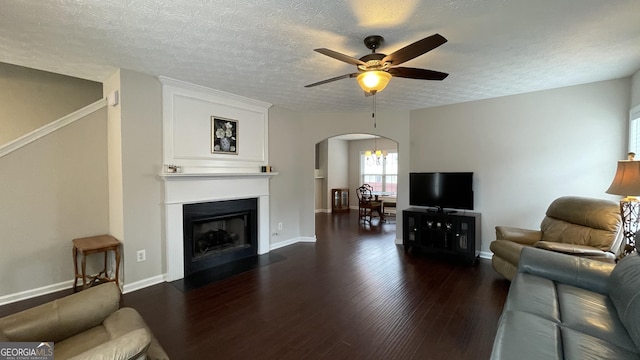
[(203, 175), (180, 189), (179, 176)]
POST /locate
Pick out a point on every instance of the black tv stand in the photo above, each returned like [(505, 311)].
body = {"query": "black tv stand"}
[(440, 210), (442, 233)]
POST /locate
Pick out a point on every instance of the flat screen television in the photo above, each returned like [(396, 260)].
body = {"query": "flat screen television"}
[(440, 190)]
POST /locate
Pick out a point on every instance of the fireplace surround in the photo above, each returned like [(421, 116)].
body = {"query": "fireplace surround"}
[(192, 188)]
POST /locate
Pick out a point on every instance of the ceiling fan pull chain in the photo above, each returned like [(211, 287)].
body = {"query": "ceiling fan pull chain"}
[(373, 115)]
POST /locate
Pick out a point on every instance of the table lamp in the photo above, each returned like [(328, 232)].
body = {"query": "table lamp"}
[(626, 182)]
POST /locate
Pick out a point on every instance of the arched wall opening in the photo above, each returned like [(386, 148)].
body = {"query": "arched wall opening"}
[(341, 163)]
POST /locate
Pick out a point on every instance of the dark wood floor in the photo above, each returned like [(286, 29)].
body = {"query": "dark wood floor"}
[(352, 295)]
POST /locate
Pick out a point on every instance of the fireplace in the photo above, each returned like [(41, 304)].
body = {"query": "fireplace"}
[(219, 232)]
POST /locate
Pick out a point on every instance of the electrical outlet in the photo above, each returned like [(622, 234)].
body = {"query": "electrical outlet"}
[(279, 226), (141, 255)]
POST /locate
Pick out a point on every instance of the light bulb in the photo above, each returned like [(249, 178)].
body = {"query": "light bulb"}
[(373, 81)]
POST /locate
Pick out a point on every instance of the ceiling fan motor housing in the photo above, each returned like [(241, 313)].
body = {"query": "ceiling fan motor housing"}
[(373, 42)]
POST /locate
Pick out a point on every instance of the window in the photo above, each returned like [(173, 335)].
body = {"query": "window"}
[(383, 176)]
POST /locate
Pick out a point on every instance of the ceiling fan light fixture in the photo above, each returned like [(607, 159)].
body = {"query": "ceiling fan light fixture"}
[(373, 81)]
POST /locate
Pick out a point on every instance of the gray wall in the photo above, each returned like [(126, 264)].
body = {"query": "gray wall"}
[(53, 190), (135, 156), (337, 167), (32, 98), (527, 150), (285, 130)]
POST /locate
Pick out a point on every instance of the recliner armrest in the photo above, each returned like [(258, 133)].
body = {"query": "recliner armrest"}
[(585, 251), (521, 236), (567, 269), (129, 346)]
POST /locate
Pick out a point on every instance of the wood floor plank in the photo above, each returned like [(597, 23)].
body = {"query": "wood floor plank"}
[(354, 294)]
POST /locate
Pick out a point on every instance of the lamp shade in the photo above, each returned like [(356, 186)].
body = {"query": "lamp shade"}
[(626, 182), (373, 81)]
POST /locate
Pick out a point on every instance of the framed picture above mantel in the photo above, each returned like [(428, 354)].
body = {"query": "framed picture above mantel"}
[(224, 136)]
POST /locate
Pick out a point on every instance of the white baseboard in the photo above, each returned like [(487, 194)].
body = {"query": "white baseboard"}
[(144, 283), (28, 294), (282, 244), (66, 285)]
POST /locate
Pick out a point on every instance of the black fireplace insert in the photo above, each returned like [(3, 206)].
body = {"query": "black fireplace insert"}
[(219, 232)]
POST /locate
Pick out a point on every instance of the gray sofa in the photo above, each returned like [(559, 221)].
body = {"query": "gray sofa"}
[(566, 307)]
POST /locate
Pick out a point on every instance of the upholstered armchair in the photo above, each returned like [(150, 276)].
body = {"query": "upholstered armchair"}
[(86, 325), (585, 227)]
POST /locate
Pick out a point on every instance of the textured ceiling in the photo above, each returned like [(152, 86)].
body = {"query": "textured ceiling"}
[(264, 49)]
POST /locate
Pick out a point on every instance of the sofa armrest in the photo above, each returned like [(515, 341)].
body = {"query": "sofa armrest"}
[(585, 251), (521, 236), (133, 345), (64, 317), (567, 269)]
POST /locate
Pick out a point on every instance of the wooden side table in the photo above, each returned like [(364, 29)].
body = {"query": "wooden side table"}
[(94, 245)]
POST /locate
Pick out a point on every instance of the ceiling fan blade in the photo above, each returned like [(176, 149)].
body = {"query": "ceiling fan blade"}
[(339, 56), (332, 79), (413, 73), (414, 50)]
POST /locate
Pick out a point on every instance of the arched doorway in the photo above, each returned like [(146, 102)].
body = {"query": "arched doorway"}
[(347, 161)]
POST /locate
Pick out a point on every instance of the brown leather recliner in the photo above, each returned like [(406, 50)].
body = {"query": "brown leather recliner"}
[(573, 225), (86, 325)]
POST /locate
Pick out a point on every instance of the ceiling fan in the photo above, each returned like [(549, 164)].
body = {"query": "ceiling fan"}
[(376, 69)]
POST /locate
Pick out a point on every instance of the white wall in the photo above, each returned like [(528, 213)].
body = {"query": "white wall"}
[(527, 150)]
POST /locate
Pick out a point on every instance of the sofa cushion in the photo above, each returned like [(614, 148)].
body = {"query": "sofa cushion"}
[(526, 336), (593, 314), (580, 346), (624, 290), (535, 295)]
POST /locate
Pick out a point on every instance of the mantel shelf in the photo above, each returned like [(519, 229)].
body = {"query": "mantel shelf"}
[(177, 176)]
